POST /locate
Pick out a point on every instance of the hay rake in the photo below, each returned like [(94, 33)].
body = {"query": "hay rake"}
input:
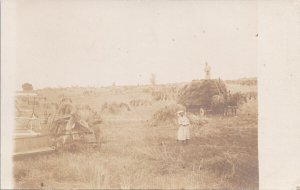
[(31, 140)]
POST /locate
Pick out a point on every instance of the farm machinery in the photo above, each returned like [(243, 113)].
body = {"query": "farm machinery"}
[(38, 132)]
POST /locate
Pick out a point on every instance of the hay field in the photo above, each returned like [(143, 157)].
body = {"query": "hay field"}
[(222, 153)]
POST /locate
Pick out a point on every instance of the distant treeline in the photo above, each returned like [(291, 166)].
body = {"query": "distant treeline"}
[(248, 82)]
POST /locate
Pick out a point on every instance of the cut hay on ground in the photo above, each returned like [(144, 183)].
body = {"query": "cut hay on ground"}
[(196, 120)]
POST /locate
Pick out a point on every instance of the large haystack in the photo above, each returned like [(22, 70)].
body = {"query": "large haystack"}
[(200, 92)]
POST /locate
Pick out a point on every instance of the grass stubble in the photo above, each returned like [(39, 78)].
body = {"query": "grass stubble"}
[(222, 154)]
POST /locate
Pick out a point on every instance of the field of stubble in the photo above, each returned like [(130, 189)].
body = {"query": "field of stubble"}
[(222, 153)]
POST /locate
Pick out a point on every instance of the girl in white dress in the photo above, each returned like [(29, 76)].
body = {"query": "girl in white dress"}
[(183, 133)]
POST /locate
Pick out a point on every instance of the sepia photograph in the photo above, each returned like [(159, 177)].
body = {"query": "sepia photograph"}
[(135, 95)]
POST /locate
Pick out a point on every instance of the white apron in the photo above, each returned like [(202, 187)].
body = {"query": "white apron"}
[(183, 132)]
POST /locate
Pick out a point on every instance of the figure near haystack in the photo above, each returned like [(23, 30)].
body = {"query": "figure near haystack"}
[(207, 71), (183, 133)]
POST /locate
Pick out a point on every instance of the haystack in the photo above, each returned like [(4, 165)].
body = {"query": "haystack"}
[(200, 92)]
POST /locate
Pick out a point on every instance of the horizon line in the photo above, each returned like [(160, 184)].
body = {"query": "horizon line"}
[(127, 85)]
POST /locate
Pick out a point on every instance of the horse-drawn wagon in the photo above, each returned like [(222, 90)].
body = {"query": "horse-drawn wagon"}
[(209, 96), (198, 95)]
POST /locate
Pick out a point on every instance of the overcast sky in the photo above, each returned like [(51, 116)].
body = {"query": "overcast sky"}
[(64, 43)]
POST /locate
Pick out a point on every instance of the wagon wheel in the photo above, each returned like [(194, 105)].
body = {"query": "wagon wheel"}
[(57, 130)]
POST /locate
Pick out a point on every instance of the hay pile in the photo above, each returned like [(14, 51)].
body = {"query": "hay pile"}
[(114, 107), (166, 115), (200, 92)]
